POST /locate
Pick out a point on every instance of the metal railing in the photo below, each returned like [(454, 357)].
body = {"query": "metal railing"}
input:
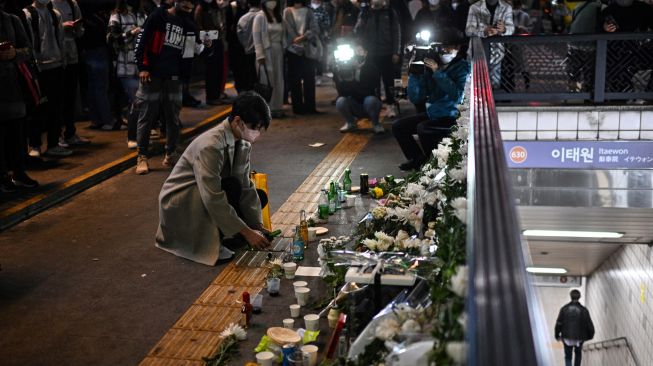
[(593, 67), (619, 352), (505, 326)]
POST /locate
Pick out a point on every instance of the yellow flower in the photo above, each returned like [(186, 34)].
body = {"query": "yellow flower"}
[(376, 192)]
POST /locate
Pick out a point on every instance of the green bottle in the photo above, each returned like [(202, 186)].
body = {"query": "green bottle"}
[(323, 205), (346, 181), (332, 198)]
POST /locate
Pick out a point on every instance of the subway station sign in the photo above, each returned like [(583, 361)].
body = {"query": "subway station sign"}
[(579, 154)]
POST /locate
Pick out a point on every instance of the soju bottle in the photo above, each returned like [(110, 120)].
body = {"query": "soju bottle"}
[(323, 205), (346, 181), (332, 198), (298, 245), (339, 195)]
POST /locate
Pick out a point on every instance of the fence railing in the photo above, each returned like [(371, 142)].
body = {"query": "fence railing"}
[(592, 67), (505, 326), (610, 352)]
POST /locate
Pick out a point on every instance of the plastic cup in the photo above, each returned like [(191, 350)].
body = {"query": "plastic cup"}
[(312, 353), (302, 295), (298, 284), (265, 358), (257, 304), (289, 270), (273, 286), (312, 234), (294, 310), (289, 323), (312, 322), (351, 200)]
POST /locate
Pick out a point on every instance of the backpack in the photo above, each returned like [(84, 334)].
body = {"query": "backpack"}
[(34, 18)]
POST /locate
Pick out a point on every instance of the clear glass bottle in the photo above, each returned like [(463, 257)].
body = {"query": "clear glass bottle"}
[(323, 205), (332, 198)]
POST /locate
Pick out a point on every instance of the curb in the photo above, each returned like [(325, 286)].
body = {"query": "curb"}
[(40, 203)]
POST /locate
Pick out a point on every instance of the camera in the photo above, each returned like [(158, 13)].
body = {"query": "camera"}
[(422, 49), (346, 64)]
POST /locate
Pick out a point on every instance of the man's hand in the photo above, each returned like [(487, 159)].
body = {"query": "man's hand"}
[(8, 54), (135, 31), (68, 24), (144, 76), (490, 31), (395, 59), (431, 64), (255, 238), (500, 27), (609, 27)]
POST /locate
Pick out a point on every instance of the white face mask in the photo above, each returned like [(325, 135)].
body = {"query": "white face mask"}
[(43, 2), (315, 5), (434, 2), (448, 57), (249, 134), (271, 4)]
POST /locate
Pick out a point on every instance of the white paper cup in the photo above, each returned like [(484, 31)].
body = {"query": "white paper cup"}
[(302, 295), (312, 322), (312, 353), (294, 310), (298, 284), (289, 270), (351, 200), (289, 323), (312, 234), (265, 358)]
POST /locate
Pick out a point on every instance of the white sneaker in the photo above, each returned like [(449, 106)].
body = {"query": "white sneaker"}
[(141, 165), (132, 144), (76, 140), (225, 253), (34, 152), (378, 129), (392, 111), (170, 160), (347, 128), (58, 151), (63, 143)]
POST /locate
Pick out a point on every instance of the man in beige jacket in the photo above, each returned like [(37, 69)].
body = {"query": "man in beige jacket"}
[(209, 195)]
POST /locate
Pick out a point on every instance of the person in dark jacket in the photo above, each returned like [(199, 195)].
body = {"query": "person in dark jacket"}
[(357, 81), (440, 87), (573, 327)]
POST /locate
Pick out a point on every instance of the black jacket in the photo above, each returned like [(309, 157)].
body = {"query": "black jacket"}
[(574, 322), (364, 85)]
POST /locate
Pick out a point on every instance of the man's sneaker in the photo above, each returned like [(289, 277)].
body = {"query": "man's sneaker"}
[(225, 253), (392, 111), (23, 180), (76, 140), (378, 129), (58, 151), (141, 165), (347, 128), (132, 144), (6, 185), (34, 152), (63, 143), (170, 160)]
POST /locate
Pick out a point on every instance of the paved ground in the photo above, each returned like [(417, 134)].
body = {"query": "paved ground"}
[(83, 284)]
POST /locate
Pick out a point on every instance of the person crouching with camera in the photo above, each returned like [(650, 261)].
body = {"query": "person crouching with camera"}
[(439, 81), (357, 81)]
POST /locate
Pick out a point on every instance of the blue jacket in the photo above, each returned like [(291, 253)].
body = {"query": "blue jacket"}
[(442, 90)]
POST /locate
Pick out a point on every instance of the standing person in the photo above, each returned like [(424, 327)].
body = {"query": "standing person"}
[(380, 30), (324, 12), (209, 196), (14, 48), (48, 41), (585, 19), (71, 17), (268, 43), (245, 36), (515, 63), (303, 49), (573, 327), (125, 24), (210, 16), (235, 11), (159, 53), (346, 16), (489, 18), (187, 99)]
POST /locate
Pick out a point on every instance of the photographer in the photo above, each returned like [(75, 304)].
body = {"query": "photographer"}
[(440, 83), (357, 81)]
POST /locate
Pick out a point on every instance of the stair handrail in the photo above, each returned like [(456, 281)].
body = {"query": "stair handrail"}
[(611, 343)]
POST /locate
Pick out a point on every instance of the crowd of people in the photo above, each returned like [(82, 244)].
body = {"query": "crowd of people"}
[(131, 62)]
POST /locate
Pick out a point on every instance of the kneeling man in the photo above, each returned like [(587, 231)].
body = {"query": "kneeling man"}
[(209, 195)]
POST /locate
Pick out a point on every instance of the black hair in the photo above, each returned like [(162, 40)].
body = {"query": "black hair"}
[(254, 3), (450, 36), (291, 3), (276, 12), (252, 109), (574, 294)]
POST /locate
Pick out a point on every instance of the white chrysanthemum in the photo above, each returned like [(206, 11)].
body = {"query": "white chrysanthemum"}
[(379, 212), (411, 326), (370, 244), (384, 241), (429, 233), (387, 329), (276, 262), (235, 330), (447, 141), (400, 238), (426, 167), (432, 197), (442, 154), (462, 320), (321, 252), (458, 174), (427, 247), (414, 190), (461, 133), (460, 208), (431, 225), (458, 352), (425, 180), (459, 281)]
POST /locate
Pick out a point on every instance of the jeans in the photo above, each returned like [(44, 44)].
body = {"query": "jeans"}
[(130, 85), (49, 114), (352, 110), (158, 98), (430, 133), (301, 77), (97, 66), (71, 81), (579, 354)]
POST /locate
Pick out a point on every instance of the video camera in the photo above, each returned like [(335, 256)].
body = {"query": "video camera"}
[(346, 64), (422, 49)]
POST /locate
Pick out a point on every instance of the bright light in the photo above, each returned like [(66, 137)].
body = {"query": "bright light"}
[(424, 35), (573, 234), (344, 52), (546, 270)]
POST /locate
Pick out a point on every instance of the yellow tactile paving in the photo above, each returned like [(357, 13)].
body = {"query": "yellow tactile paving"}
[(196, 333)]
